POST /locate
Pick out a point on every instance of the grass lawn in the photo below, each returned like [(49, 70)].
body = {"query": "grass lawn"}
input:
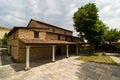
[(118, 56), (97, 59)]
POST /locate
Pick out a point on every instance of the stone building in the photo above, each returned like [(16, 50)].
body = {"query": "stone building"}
[(40, 40)]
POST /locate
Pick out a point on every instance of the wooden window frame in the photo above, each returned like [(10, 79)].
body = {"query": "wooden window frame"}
[(58, 37), (65, 33), (36, 34), (53, 30), (65, 38)]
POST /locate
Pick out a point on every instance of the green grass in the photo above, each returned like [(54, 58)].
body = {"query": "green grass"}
[(118, 56), (97, 58)]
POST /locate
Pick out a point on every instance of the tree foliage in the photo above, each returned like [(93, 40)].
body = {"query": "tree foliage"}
[(4, 40), (112, 35), (87, 23)]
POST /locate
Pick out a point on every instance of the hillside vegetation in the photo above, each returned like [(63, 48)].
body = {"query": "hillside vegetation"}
[(4, 28)]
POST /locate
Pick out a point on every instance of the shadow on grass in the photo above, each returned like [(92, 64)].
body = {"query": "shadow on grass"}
[(118, 56)]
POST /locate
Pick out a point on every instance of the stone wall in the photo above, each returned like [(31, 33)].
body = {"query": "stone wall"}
[(13, 45), (36, 52), (62, 38), (51, 28), (76, 40), (51, 36), (42, 51), (25, 33)]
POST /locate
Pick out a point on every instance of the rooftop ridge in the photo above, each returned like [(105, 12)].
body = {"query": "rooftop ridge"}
[(48, 24)]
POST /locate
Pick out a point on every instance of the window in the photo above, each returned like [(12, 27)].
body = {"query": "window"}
[(65, 33), (53, 30), (66, 38), (58, 37), (71, 39), (36, 34)]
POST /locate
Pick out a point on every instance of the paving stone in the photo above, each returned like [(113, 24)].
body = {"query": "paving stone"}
[(105, 77), (64, 69), (116, 74), (92, 76), (115, 78), (4, 58)]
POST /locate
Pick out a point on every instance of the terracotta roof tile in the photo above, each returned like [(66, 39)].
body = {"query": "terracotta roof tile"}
[(39, 41)]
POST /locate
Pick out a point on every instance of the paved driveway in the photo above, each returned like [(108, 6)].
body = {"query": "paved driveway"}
[(63, 69), (4, 58)]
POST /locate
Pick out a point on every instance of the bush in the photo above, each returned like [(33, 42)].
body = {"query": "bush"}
[(4, 40), (4, 46)]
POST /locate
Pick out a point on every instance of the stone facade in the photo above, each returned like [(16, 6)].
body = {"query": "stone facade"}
[(35, 24), (17, 49)]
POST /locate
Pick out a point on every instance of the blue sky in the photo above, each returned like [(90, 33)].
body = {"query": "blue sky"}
[(56, 12)]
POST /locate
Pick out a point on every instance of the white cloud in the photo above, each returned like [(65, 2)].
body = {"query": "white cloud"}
[(56, 12), (35, 9), (72, 9), (109, 12)]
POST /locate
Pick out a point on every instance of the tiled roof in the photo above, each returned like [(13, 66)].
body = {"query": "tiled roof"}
[(39, 41)]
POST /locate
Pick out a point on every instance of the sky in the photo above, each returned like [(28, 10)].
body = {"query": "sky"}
[(56, 12)]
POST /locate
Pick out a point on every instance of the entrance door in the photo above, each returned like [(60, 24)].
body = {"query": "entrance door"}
[(58, 50)]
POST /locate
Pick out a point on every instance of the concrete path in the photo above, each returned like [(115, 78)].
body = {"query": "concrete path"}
[(116, 59), (62, 69), (113, 56)]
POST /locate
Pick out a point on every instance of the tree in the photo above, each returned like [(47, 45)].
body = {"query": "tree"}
[(87, 23), (112, 35), (4, 40)]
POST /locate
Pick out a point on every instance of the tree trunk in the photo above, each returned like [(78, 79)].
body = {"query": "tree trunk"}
[(111, 47), (96, 47), (92, 48)]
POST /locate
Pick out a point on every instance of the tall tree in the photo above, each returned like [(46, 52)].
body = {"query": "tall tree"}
[(4, 40), (112, 35), (87, 23)]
